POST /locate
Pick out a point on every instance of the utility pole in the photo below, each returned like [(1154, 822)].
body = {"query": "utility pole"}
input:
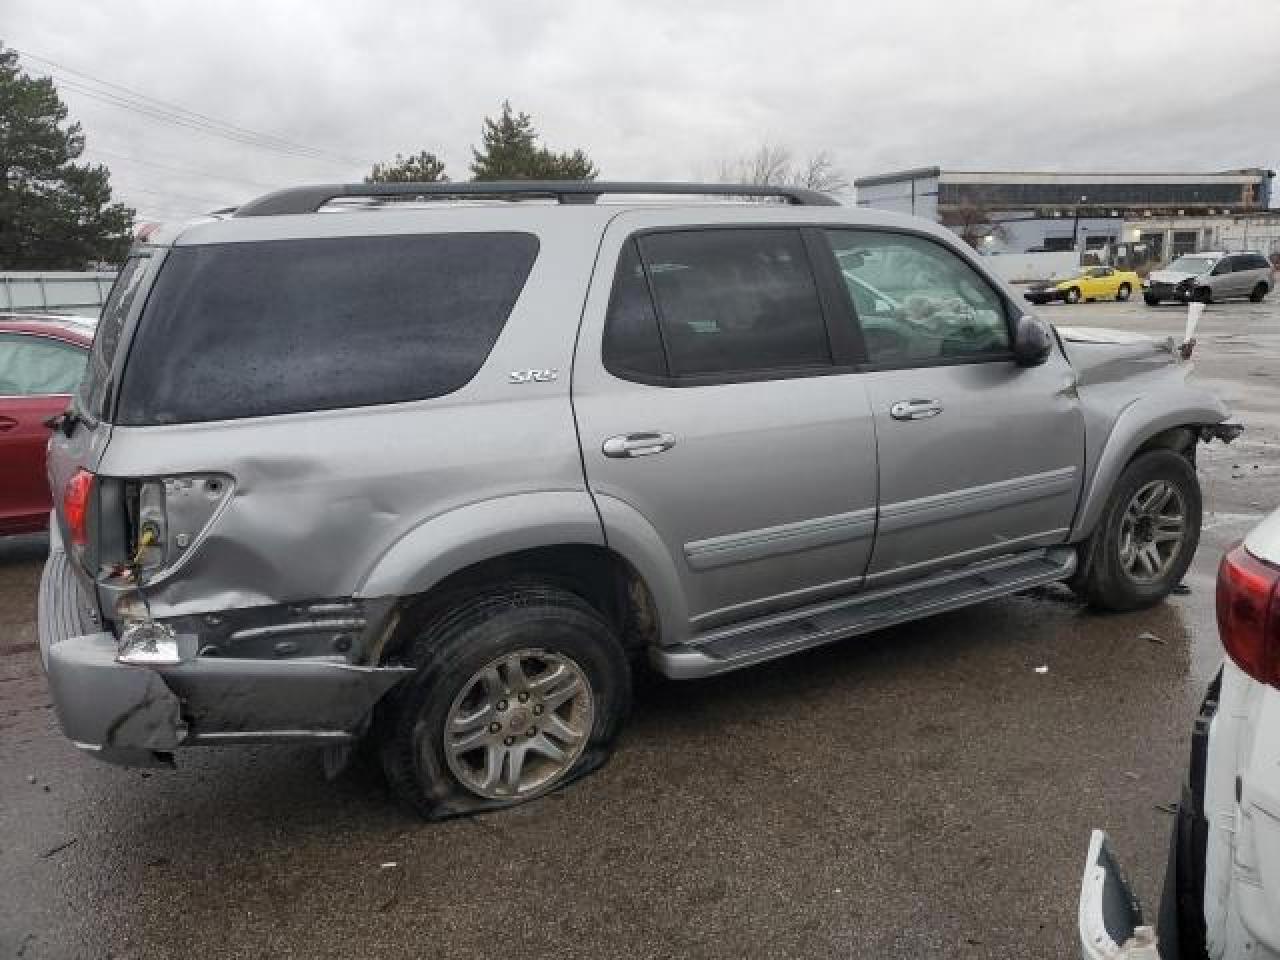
[(1075, 227)]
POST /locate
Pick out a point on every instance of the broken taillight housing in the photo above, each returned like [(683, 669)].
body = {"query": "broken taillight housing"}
[(1249, 614), (76, 497)]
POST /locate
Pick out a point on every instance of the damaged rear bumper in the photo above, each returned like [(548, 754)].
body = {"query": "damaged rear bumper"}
[(137, 715)]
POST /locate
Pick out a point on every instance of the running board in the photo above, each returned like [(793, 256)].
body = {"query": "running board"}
[(742, 645)]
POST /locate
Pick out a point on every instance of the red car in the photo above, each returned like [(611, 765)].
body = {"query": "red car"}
[(41, 362)]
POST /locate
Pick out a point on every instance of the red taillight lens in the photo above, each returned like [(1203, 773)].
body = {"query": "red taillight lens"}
[(75, 506), (1249, 614)]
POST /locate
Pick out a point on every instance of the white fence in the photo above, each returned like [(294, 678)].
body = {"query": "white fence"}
[(82, 294), (1030, 267)]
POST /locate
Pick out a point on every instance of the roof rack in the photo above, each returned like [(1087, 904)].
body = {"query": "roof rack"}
[(309, 199)]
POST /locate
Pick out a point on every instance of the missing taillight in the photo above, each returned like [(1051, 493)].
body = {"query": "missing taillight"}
[(1249, 614), (77, 496)]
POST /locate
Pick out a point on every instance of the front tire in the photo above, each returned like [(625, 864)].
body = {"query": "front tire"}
[(518, 691), (1073, 295), (1123, 293), (1258, 293), (1147, 535)]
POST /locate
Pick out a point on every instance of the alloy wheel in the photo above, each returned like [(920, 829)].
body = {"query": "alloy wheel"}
[(519, 724), (1152, 531)]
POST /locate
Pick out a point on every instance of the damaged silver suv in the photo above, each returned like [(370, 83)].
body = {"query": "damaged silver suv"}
[(436, 464)]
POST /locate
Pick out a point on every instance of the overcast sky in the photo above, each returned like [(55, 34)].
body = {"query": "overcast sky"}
[(662, 89)]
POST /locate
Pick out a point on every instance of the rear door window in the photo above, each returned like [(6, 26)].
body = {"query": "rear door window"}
[(254, 329), (736, 302)]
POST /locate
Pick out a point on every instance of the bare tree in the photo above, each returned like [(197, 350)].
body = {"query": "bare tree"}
[(973, 223), (773, 165)]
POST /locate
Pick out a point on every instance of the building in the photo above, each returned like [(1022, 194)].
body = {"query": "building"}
[(1159, 214)]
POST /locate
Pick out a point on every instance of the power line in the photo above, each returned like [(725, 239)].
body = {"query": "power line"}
[(162, 110), (187, 170)]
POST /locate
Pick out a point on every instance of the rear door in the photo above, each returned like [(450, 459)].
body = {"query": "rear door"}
[(715, 409), (37, 375), (977, 456)]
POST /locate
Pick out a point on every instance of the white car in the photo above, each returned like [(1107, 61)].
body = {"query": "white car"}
[(1222, 883)]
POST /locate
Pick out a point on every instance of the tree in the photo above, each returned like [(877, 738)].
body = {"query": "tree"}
[(424, 167), (510, 151), (54, 213), (972, 222), (772, 165)]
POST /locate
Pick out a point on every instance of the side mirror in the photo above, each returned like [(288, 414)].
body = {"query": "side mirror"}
[(1032, 341)]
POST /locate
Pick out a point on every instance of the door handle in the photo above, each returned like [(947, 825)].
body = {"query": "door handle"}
[(638, 444), (915, 409), (7, 423)]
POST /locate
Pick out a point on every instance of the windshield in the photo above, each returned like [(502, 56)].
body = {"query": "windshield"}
[(1194, 265)]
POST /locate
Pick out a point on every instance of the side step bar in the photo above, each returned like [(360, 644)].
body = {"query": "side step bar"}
[(743, 645)]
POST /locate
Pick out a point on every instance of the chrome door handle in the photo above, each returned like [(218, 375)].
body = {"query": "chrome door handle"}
[(915, 409), (638, 444)]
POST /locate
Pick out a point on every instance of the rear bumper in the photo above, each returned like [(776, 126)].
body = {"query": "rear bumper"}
[(136, 715)]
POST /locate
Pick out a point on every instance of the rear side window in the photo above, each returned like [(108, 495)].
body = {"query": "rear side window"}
[(735, 301), (93, 389), (1251, 261), (254, 329)]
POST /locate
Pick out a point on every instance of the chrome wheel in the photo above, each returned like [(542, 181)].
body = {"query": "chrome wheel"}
[(519, 724), (1152, 531)]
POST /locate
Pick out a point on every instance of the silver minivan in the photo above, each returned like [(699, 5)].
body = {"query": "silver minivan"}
[(1211, 276)]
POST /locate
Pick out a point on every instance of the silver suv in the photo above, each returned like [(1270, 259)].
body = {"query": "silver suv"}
[(441, 473), (1211, 276)]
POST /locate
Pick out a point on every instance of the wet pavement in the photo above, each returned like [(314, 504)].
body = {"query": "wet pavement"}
[(925, 791)]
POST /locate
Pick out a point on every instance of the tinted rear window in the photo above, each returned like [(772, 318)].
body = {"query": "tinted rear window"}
[(255, 329)]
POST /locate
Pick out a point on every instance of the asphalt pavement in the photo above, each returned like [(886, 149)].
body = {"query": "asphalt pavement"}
[(923, 792)]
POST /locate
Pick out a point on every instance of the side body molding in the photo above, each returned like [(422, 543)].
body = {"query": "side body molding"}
[(1157, 411), (449, 542)]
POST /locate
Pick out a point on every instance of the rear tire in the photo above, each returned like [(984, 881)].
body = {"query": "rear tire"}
[(1132, 559), (531, 674), (1073, 295), (1123, 293), (1150, 300), (1258, 293)]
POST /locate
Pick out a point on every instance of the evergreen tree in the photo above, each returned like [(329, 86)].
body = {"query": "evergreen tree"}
[(54, 213), (424, 167), (510, 151)]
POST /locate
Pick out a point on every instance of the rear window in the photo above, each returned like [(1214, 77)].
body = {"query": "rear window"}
[(254, 329)]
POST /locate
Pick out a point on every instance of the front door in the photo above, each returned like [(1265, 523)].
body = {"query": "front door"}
[(977, 455), (714, 411)]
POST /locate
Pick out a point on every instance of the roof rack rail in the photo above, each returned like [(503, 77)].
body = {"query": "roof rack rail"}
[(309, 199)]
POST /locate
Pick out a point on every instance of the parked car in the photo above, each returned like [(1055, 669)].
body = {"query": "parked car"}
[(41, 362), (1221, 895), (1092, 283), (1211, 276), (438, 474)]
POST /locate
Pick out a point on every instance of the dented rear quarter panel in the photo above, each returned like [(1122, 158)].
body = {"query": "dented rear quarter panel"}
[(356, 501)]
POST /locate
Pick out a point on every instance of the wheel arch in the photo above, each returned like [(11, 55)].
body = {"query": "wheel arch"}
[(550, 537), (1151, 423)]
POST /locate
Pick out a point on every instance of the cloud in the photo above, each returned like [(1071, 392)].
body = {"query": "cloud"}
[(663, 90)]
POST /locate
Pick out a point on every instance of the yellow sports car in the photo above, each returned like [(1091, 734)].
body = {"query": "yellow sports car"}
[(1091, 283)]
